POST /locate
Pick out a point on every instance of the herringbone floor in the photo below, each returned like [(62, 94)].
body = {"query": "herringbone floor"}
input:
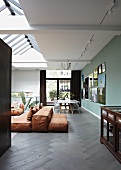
[(79, 149)]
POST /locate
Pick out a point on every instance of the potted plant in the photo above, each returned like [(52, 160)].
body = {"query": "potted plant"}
[(52, 94), (26, 103), (72, 96)]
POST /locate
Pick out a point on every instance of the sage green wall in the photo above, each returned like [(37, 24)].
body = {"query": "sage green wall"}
[(111, 54)]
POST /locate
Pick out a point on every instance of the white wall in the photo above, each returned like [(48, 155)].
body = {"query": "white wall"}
[(26, 81)]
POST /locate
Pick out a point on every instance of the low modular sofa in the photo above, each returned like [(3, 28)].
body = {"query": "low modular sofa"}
[(17, 111), (42, 120)]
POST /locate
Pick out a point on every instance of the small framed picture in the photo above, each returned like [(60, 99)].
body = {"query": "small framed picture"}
[(100, 69), (103, 67), (96, 77)]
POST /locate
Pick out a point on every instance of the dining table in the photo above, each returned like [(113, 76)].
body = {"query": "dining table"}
[(69, 103)]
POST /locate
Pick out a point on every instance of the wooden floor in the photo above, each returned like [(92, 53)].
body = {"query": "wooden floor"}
[(79, 149)]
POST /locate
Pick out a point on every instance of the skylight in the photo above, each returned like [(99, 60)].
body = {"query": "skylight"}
[(20, 43), (10, 7), (25, 50), (1, 3)]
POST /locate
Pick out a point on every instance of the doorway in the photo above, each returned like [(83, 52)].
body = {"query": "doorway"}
[(57, 88)]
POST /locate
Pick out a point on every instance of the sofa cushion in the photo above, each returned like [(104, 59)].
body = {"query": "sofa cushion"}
[(58, 124), (31, 112), (41, 119), (19, 124), (29, 115), (16, 111)]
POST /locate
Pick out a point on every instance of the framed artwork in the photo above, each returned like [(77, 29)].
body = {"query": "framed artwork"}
[(101, 88), (101, 80), (83, 93), (91, 80), (95, 77), (93, 95), (83, 84), (103, 67), (100, 69), (86, 87), (94, 87), (82, 77)]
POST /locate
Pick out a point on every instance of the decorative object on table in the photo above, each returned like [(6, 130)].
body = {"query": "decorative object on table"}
[(65, 95)]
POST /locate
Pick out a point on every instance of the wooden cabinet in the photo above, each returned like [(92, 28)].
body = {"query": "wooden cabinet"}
[(111, 129)]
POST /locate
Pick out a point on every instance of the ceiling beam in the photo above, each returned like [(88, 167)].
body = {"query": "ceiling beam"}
[(59, 60), (76, 27), (9, 26)]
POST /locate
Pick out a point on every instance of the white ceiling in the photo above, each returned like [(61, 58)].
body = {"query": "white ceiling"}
[(70, 12), (68, 25)]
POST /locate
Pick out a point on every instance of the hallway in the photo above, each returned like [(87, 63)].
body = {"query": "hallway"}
[(79, 149)]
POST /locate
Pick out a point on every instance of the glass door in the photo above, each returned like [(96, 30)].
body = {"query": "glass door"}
[(57, 89), (64, 89), (51, 91)]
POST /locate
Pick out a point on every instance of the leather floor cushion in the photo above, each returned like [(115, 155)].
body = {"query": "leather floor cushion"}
[(16, 112), (58, 124), (20, 123), (61, 115), (41, 119)]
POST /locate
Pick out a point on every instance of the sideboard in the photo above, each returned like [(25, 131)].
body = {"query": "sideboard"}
[(111, 129)]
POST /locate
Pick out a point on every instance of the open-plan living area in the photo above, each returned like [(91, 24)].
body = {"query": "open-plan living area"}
[(60, 85)]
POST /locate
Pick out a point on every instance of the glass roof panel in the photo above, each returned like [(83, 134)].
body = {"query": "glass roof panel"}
[(10, 38), (16, 9), (3, 35), (30, 56), (14, 5), (22, 48), (1, 3), (31, 36), (25, 50), (17, 1), (20, 44), (5, 12), (18, 41), (19, 38)]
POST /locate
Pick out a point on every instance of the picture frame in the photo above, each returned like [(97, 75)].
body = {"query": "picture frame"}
[(93, 95), (103, 67), (86, 87), (95, 77), (91, 80), (100, 69), (102, 88)]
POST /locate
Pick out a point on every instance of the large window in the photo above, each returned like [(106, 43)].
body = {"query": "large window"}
[(57, 85)]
